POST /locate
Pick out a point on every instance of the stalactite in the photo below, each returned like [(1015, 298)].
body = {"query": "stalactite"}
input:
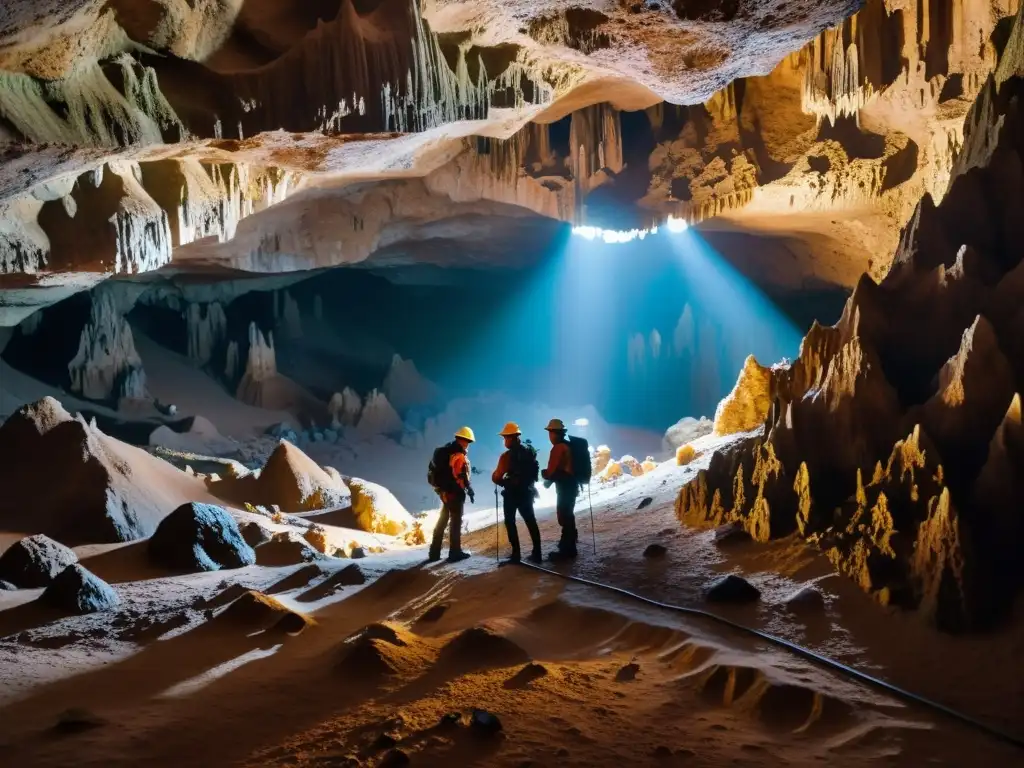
[(595, 143), (96, 113)]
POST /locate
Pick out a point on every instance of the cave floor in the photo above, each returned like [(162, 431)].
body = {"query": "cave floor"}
[(163, 682)]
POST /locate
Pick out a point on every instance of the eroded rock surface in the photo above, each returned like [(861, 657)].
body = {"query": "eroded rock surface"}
[(893, 439)]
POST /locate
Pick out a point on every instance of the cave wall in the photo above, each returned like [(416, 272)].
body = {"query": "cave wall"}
[(892, 441)]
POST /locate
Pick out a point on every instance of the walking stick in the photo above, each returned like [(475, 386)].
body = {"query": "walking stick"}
[(593, 535), (497, 546)]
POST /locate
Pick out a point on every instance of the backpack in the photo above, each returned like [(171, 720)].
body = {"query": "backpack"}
[(524, 468), (579, 449), (439, 471)]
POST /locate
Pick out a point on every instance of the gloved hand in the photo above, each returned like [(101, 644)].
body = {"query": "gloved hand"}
[(547, 483), (472, 495)]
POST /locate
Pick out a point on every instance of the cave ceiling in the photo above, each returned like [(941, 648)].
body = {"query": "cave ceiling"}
[(272, 136)]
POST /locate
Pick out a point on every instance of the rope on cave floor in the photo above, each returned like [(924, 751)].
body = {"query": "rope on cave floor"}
[(844, 669)]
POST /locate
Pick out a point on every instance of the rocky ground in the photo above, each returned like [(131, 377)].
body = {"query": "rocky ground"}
[(361, 662)]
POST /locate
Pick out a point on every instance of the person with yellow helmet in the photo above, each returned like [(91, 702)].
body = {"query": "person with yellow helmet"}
[(449, 475), (516, 473), (560, 474)]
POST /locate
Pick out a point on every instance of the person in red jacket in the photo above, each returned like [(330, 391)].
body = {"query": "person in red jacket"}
[(453, 486), (516, 474), (560, 474)]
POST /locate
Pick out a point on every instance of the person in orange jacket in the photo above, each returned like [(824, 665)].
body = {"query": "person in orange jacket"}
[(560, 474), (449, 475), (516, 474)]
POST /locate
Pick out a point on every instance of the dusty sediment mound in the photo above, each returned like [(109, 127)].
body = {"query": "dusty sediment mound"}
[(289, 480), (78, 590), (34, 561), (199, 537), (287, 548), (380, 651), (893, 440), (259, 612), (65, 478), (481, 648)]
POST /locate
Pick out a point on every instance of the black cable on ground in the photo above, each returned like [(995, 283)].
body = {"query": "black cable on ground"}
[(856, 674)]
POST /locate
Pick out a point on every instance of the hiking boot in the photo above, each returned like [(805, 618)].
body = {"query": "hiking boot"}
[(562, 554), (536, 556), (515, 557), (458, 557), (433, 557)]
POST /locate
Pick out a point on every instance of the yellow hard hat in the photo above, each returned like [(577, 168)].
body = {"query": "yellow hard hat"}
[(510, 429), (555, 425), (466, 434)]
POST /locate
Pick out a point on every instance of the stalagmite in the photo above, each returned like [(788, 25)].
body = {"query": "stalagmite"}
[(378, 416), (206, 325), (404, 386), (107, 365)]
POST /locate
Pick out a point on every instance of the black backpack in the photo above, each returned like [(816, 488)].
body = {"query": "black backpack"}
[(523, 466), (439, 471), (579, 449)]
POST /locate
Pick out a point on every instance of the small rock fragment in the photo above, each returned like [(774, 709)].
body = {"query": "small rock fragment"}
[(76, 720), (627, 673), (357, 553), (806, 600), (484, 722), (394, 758), (733, 589), (645, 502), (655, 550), (732, 533)]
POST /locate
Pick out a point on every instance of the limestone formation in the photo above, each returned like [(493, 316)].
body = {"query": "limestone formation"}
[(894, 442), (117, 492), (376, 509), (746, 407), (378, 417), (289, 480), (344, 408), (106, 365), (207, 328), (210, 149), (405, 387)]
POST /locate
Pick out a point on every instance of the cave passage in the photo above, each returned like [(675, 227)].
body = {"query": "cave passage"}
[(646, 331)]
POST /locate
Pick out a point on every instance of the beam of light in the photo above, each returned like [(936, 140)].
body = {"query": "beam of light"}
[(613, 236), (581, 423)]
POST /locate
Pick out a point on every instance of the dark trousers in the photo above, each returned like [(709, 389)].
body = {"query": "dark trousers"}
[(451, 517), (521, 502), (565, 505)]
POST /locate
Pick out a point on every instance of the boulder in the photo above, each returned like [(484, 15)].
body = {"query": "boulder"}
[(685, 431), (34, 561), (806, 600), (200, 537), (732, 589), (655, 551), (6, 586), (376, 509), (255, 534), (78, 590)]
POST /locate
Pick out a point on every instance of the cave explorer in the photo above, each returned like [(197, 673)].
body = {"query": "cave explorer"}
[(560, 474), (449, 474), (516, 473)]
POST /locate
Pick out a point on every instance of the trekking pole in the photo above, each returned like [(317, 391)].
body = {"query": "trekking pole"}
[(593, 535), (497, 546)]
